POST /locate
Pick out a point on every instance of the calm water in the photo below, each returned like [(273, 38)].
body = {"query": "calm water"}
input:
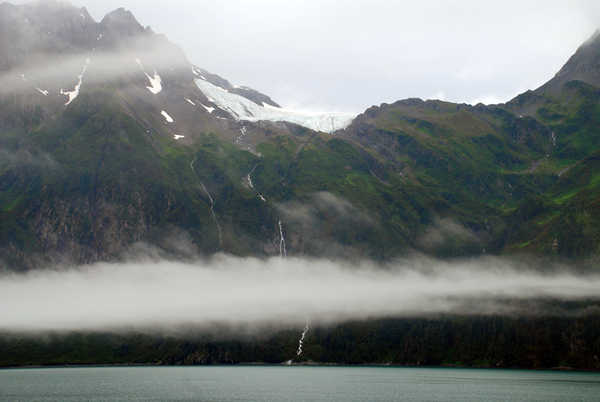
[(294, 384)]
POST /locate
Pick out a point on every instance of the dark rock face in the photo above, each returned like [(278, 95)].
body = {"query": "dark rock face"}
[(254, 96), (122, 22), (30, 31), (584, 66)]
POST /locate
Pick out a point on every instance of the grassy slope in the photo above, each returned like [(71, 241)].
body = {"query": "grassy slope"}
[(564, 219), (95, 181)]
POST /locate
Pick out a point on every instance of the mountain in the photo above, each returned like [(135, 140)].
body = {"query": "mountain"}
[(113, 143)]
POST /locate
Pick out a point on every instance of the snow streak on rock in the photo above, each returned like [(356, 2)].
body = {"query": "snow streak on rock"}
[(155, 80), (72, 95), (190, 102), (42, 91), (208, 108), (167, 117), (241, 108)]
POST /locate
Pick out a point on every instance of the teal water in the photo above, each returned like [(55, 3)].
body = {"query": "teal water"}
[(275, 383)]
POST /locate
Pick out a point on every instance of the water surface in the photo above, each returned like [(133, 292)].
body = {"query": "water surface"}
[(279, 383)]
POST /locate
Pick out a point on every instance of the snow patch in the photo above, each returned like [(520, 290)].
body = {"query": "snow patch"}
[(72, 95), (155, 83), (190, 102), (155, 80), (178, 137), (168, 118), (241, 108)]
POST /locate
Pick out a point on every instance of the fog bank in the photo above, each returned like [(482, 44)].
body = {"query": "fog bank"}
[(238, 291)]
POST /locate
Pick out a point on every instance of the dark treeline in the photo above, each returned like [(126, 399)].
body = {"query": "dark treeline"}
[(503, 342)]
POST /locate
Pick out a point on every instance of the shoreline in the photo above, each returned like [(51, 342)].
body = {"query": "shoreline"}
[(284, 364)]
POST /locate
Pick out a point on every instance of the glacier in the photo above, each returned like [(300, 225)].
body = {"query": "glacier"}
[(241, 108)]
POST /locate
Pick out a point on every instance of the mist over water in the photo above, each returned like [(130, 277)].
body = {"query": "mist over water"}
[(153, 295)]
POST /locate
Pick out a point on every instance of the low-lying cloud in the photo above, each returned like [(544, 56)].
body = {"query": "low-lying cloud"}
[(43, 73), (325, 224), (239, 291)]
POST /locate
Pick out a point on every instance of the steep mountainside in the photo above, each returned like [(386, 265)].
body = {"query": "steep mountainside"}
[(112, 143), (583, 66)]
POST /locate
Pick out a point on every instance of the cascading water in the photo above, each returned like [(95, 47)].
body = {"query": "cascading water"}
[(282, 248), (212, 206), (301, 341), (251, 184), (283, 254)]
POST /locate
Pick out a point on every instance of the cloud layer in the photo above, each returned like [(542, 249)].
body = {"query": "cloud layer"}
[(234, 291)]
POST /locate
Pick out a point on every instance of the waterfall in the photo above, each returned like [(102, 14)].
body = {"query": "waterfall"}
[(212, 207)]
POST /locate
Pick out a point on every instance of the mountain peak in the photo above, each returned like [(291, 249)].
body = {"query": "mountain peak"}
[(584, 66), (594, 39), (122, 21)]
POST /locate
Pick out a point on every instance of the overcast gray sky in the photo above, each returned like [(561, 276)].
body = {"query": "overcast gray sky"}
[(348, 55)]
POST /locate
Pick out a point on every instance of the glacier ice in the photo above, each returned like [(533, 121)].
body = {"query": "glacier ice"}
[(241, 108)]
